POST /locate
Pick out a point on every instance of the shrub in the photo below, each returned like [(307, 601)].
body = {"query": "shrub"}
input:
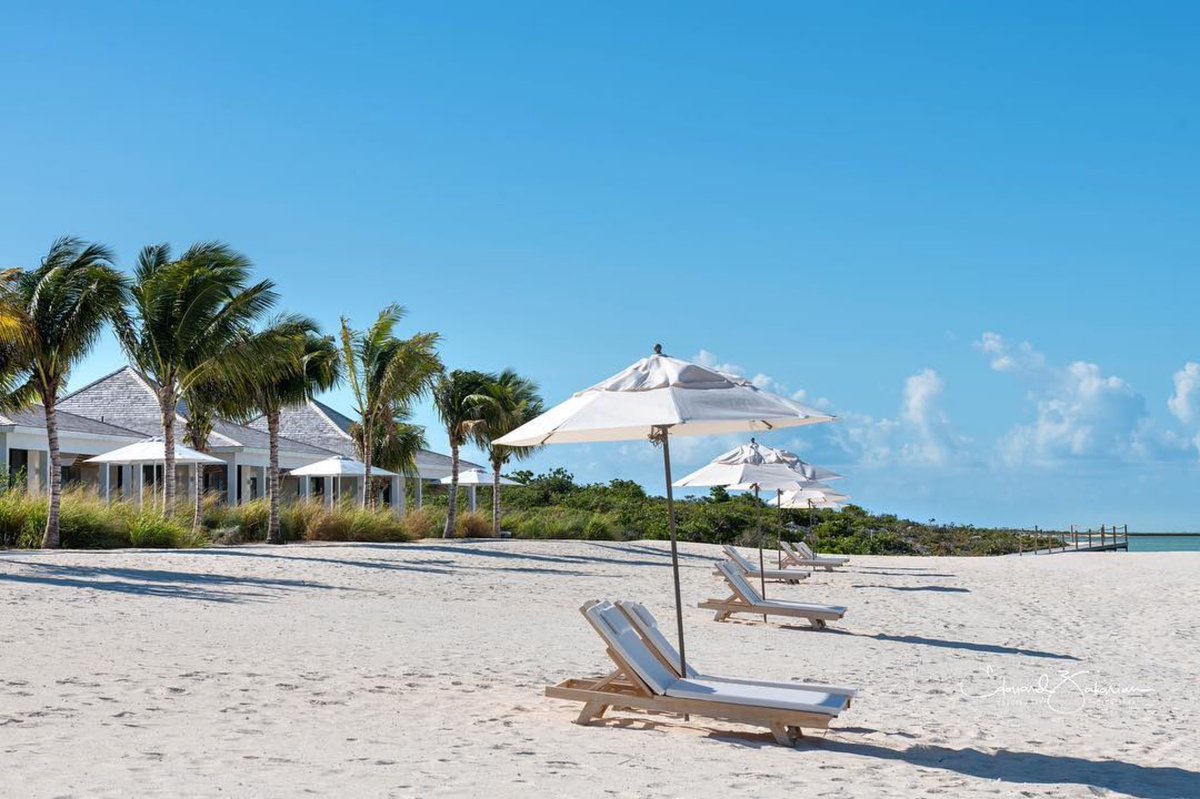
[(151, 530), (472, 525), (423, 522)]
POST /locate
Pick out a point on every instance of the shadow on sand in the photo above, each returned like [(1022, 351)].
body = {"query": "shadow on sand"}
[(994, 649)]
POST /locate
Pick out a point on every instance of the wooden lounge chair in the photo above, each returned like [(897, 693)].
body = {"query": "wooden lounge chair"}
[(641, 682), (746, 599), (750, 569), (647, 626), (799, 554)]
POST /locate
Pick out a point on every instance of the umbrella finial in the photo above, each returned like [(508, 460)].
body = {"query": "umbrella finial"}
[(658, 349)]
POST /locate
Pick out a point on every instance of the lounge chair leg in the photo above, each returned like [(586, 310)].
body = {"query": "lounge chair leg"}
[(796, 734), (721, 615), (818, 624), (592, 710), (782, 733)]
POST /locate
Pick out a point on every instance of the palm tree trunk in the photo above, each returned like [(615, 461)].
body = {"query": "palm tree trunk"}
[(167, 406), (50, 538), (496, 500), (198, 510), (452, 507), (274, 533), (366, 486)]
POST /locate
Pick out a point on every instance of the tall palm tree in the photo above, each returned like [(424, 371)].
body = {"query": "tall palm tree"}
[(305, 363), (52, 315), (516, 401), (386, 375), (185, 317), (462, 397)]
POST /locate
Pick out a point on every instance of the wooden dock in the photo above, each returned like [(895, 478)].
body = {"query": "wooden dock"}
[(1107, 539)]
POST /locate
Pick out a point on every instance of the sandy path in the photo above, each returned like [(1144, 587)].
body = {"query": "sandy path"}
[(417, 670)]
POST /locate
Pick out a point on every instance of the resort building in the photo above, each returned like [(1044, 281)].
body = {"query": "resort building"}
[(121, 408)]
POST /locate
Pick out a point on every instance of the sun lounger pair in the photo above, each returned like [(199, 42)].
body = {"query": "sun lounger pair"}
[(647, 677), (746, 599), (801, 555), (751, 569)]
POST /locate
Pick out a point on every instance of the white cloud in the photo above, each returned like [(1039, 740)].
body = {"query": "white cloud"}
[(920, 435), (1078, 411), (1007, 358), (1185, 402)]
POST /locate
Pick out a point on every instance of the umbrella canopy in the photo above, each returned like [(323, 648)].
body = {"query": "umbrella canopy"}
[(752, 465), (802, 498), (152, 450), (657, 398), (339, 466), (662, 392), (478, 477)]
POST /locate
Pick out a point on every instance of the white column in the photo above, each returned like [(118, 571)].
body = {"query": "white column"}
[(105, 482), (420, 493), (4, 455), (328, 491), (262, 484), (471, 497), (231, 481), (305, 487), (139, 482), (397, 491)]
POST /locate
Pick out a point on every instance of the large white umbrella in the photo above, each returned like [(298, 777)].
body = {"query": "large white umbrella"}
[(152, 450), (754, 467), (657, 398), (337, 467), (476, 477)]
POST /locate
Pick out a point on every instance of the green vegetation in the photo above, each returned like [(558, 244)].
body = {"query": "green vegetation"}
[(552, 505)]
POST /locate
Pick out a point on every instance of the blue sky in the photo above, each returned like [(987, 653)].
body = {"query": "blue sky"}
[(968, 229)]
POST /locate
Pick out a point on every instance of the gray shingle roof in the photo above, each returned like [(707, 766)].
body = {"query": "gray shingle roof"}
[(67, 422), (123, 398)]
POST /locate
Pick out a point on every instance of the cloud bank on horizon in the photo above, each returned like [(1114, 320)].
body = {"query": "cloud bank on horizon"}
[(1074, 422)]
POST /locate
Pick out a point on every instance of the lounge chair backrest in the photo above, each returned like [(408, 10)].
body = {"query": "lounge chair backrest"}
[(734, 555), (620, 636), (739, 583), (647, 625), (805, 549), (789, 549)]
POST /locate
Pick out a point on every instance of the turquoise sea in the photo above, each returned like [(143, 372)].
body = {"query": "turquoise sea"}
[(1158, 542)]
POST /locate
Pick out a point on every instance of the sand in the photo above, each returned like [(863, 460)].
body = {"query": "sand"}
[(418, 670)]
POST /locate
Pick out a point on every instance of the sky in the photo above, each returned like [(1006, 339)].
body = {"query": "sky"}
[(967, 229)]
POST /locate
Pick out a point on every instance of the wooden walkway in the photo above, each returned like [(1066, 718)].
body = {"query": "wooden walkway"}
[(1108, 539)]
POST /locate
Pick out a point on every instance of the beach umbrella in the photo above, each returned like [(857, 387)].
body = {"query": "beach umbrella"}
[(151, 451), (477, 477), (656, 399), (754, 467), (337, 467), (811, 497)]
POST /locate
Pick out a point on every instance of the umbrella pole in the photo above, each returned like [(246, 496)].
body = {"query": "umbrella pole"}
[(666, 447), (762, 572), (779, 504)]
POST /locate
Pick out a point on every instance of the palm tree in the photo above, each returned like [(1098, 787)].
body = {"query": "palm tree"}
[(516, 401), (184, 319), (461, 398), (305, 363), (386, 374), (396, 442), (51, 317)]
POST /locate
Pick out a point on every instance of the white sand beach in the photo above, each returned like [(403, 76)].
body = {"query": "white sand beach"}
[(418, 670)]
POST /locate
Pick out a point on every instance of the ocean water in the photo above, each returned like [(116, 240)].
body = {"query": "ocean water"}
[(1149, 542)]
